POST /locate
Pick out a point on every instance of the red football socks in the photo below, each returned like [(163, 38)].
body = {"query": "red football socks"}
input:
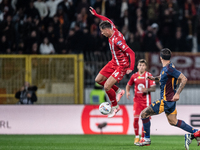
[(102, 83), (136, 126), (142, 133), (115, 88), (112, 96)]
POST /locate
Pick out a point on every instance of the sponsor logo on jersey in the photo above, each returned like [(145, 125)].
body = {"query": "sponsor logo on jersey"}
[(140, 77), (119, 43), (140, 86)]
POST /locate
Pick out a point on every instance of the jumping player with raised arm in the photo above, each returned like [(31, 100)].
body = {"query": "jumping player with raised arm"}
[(168, 96), (142, 94), (119, 65)]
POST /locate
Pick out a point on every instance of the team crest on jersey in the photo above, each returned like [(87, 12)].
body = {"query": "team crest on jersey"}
[(119, 43), (123, 46)]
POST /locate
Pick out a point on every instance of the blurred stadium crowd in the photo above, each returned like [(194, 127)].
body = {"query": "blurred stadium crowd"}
[(67, 27)]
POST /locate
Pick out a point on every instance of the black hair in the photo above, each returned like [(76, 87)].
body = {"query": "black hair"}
[(165, 53), (105, 24)]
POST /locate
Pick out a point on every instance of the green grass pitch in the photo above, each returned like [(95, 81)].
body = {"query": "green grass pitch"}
[(89, 142)]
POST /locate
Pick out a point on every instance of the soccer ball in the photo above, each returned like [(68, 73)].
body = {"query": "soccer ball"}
[(105, 108)]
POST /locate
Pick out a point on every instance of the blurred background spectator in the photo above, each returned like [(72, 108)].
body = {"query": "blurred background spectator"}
[(52, 7), (26, 94), (41, 6), (46, 47), (61, 46), (4, 44), (148, 25)]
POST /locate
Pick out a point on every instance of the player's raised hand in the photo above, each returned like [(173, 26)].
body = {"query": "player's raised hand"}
[(128, 71), (127, 95), (150, 77), (175, 97), (93, 12)]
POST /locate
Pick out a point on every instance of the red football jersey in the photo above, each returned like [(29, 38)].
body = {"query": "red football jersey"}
[(141, 81), (118, 47)]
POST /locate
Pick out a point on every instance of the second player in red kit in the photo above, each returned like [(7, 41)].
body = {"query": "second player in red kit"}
[(142, 98)]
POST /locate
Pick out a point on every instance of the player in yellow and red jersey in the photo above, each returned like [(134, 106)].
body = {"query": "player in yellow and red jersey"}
[(119, 65), (142, 96)]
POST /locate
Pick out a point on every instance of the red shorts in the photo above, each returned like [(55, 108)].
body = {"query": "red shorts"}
[(137, 109), (116, 72)]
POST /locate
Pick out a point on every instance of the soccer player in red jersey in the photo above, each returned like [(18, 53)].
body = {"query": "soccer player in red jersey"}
[(119, 65), (142, 98)]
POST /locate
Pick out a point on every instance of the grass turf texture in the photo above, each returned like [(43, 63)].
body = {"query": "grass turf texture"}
[(89, 142)]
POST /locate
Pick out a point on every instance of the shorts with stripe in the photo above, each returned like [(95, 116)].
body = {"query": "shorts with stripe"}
[(138, 108), (161, 105), (116, 72)]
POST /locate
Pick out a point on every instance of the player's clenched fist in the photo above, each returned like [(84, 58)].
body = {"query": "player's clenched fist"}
[(176, 97)]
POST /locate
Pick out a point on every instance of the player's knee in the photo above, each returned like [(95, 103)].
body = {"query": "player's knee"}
[(97, 80), (106, 87), (143, 115), (172, 123)]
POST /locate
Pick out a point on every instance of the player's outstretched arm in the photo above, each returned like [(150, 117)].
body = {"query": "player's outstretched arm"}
[(132, 58), (151, 89), (183, 81), (93, 12), (153, 78), (128, 87)]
